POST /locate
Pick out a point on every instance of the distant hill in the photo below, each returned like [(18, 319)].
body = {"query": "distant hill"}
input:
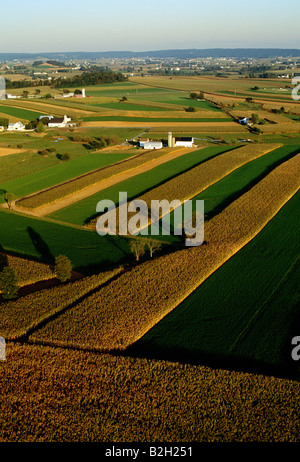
[(186, 53)]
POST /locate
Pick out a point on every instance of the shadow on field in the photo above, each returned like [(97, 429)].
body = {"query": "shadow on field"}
[(287, 368), (41, 246)]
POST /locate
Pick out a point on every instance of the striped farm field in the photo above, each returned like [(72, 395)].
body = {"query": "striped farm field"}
[(75, 183), (221, 317), (88, 185), (193, 182), (121, 313), (83, 211), (223, 192), (18, 317)]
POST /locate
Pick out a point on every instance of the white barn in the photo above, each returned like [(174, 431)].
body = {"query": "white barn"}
[(153, 145), (186, 142), (59, 122)]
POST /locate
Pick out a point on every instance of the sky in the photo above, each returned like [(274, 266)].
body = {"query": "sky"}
[(134, 25)]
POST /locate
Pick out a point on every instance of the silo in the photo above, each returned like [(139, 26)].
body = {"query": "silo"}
[(83, 93), (170, 140)]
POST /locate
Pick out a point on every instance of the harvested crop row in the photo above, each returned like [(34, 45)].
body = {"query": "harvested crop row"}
[(126, 309), (27, 271), (19, 316), (70, 187), (191, 183)]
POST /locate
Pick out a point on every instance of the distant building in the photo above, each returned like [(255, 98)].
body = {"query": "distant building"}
[(243, 120), (1, 128), (16, 126), (10, 96), (153, 145), (59, 122)]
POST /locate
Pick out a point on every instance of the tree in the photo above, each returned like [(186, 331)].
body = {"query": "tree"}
[(9, 199), (8, 283), (190, 109), (4, 122), (65, 157), (25, 93), (153, 246), (193, 95), (77, 92), (37, 91), (40, 127), (63, 268), (255, 118), (137, 247)]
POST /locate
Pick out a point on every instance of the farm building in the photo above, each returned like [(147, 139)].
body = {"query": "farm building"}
[(59, 122), (243, 120), (153, 145), (143, 141), (16, 126), (186, 142)]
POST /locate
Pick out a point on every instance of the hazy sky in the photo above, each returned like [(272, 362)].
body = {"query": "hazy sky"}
[(94, 25)]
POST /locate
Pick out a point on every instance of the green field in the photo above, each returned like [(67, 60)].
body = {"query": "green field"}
[(212, 325), (24, 114), (60, 173), (44, 240), (85, 209)]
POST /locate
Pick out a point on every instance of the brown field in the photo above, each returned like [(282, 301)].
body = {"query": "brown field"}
[(157, 286), (9, 151), (196, 126), (28, 271), (82, 397)]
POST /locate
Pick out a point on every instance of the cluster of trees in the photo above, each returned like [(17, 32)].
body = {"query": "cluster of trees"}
[(139, 247), (195, 95), (93, 76)]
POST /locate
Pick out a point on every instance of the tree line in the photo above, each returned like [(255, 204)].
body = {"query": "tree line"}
[(94, 76)]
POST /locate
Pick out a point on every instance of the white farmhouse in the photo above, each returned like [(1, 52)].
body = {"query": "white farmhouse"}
[(59, 122), (17, 126)]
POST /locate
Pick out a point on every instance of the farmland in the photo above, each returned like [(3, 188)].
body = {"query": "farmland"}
[(182, 344)]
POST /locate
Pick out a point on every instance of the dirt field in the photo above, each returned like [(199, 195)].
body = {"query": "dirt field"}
[(10, 151)]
